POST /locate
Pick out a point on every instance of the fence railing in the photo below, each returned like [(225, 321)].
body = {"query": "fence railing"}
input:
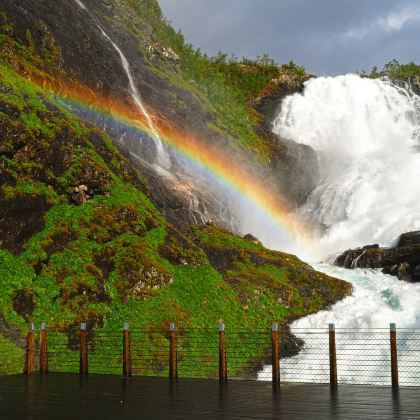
[(325, 355)]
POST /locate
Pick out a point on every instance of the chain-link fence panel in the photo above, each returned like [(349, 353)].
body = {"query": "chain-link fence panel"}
[(105, 352), (149, 353), (362, 356), (198, 354), (63, 350)]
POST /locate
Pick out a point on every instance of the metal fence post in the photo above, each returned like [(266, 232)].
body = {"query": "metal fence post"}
[(126, 351), (30, 351), (43, 349), (333, 356), (222, 354), (275, 354), (83, 369), (173, 368), (394, 356)]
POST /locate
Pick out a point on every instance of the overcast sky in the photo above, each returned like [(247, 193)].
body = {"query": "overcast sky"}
[(325, 36)]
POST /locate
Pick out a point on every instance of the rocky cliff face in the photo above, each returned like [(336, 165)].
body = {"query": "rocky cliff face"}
[(296, 165), (83, 54)]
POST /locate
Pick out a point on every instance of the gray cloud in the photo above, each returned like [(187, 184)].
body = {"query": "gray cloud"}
[(326, 36)]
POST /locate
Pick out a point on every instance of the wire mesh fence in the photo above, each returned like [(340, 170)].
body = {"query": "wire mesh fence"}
[(363, 357), (408, 349), (63, 351), (149, 353), (198, 354), (306, 355), (311, 363), (247, 353)]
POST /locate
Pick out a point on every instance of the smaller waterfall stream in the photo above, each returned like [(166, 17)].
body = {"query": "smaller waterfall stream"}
[(81, 4), (163, 158)]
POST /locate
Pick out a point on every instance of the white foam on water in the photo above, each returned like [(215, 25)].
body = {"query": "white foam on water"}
[(362, 336)]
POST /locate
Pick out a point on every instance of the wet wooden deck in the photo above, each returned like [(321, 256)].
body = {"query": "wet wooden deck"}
[(109, 397)]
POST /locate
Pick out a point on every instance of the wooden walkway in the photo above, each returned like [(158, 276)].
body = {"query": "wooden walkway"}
[(65, 396)]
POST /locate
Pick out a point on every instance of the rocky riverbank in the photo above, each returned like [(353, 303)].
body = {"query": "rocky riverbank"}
[(402, 261)]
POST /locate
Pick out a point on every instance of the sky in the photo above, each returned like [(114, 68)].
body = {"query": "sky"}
[(327, 37)]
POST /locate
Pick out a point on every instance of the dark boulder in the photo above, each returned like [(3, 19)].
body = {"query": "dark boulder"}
[(409, 238), (252, 238)]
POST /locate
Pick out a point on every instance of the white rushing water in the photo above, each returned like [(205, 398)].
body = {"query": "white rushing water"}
[(366, 132), (362, 349)]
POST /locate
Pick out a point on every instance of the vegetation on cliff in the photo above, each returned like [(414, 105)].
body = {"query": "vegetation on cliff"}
[(396, 71), (80, 236)]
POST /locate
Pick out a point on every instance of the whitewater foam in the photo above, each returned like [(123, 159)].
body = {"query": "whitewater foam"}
[(377, 301), (365, 132), (367, 135)]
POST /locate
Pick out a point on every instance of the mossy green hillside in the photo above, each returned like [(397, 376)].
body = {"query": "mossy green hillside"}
[(106, 255)]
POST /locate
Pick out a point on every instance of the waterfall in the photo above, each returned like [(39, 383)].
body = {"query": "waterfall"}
[(367, 135), (163, 159), (81, 4)]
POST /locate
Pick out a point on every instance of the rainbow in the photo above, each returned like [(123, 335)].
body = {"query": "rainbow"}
[(237, 176)]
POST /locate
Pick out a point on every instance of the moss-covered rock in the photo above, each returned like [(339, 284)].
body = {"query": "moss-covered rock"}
[(258, 274)]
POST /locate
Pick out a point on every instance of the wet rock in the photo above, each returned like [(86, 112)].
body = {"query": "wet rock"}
[(296, 166), (20, 217), (409, 238), (374, 246), (403, 272), (80, 196), (402, 261), (24, 303)]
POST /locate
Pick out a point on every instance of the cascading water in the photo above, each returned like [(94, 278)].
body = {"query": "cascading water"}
[(177, 177), (163, 159), (366, 133)]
